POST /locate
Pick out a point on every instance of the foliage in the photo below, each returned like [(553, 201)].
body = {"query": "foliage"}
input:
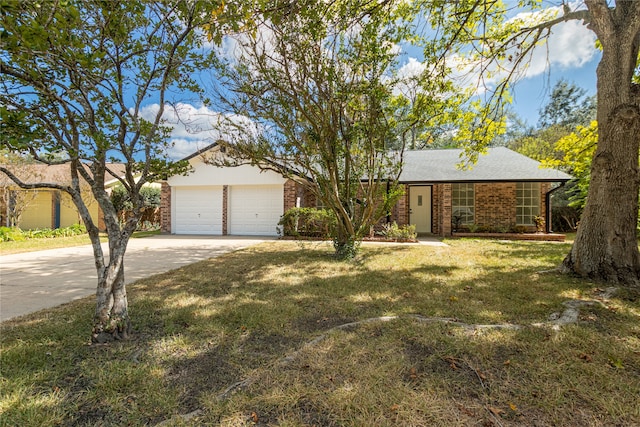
[(76, 80), (473, 227), (568, 107), (15, 234), (578, 148), (403, 233), (121, 199), (313, 90), (540, 223), (564, 218), (307, 222), (11, 234)]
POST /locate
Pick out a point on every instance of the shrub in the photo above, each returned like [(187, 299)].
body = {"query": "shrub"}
[(121, 201), (308, 222), (564, 218), (540, 223), (473, 228), (11, 234), (395, 232), (150, 217), (14, 234), (519, 229)]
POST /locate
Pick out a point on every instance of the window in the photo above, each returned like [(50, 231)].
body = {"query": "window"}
[(527, 202), (463, 203)]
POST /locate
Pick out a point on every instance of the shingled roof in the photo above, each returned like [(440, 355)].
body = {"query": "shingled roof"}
[(54, 174), (498, 165)]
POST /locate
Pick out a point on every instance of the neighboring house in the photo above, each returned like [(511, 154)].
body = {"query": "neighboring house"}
[(43, 208), (503, 189)]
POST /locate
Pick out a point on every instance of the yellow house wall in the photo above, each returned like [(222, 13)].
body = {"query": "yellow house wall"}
[(69, 214), (38, 213)]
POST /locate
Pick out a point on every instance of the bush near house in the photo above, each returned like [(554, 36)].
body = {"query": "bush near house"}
[(393, 231), (307, 222), (150, 219), (14, 234)]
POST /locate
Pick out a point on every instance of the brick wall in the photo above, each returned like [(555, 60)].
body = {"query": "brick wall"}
[(400, 212), (495, 204), (436, 212), (444, 228), (544, 189), (290, 194), (225, 204), (165, 208), (293, 192)]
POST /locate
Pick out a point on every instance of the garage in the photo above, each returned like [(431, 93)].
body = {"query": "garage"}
[(198, 210), (254, 210), (240, 200)]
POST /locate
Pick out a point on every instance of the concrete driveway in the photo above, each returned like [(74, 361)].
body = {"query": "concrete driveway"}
[(32, 281)]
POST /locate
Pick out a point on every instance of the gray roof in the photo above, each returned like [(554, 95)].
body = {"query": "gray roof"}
[(499, 164)]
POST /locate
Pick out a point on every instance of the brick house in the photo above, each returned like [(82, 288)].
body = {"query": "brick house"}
[(502, 190)]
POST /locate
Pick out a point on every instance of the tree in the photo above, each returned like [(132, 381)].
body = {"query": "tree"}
[(568, 107), (75, 76), (606, 247), (320, 84), (577, 151)]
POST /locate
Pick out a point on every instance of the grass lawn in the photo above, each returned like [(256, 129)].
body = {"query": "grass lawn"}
[(271, 315), (32, 245)]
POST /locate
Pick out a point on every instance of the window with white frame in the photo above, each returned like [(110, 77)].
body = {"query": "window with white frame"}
[(527, 202), (463, 203)]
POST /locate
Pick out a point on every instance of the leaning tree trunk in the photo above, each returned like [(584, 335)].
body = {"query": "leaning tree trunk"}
[(606, 246), (111, 319)]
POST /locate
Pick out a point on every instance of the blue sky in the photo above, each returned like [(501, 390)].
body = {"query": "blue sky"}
[(569, 54), (531, 94)]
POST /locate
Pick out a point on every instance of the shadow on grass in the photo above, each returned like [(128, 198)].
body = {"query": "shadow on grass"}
[(201, 328)]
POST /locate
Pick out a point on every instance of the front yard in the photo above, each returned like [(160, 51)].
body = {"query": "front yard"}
[(434, 336)]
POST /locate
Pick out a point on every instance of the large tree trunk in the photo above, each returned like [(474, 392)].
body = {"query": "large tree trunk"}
[(606, 246)]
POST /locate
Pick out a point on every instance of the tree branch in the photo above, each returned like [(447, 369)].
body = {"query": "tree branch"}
[(33, 186)]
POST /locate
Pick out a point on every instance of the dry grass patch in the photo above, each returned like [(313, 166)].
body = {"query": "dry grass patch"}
[(202, 328)]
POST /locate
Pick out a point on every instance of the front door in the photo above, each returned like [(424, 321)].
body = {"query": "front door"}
[(420, 208)]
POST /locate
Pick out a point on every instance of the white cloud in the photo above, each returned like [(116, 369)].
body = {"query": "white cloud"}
[(193, 128), (570, 45), (185, 120), (413, 68), (182, 148)]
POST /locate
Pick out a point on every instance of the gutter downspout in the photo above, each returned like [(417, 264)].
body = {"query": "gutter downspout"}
[(547, 202)]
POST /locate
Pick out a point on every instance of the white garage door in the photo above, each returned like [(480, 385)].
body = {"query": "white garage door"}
[(198, 210), (255, 210)]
